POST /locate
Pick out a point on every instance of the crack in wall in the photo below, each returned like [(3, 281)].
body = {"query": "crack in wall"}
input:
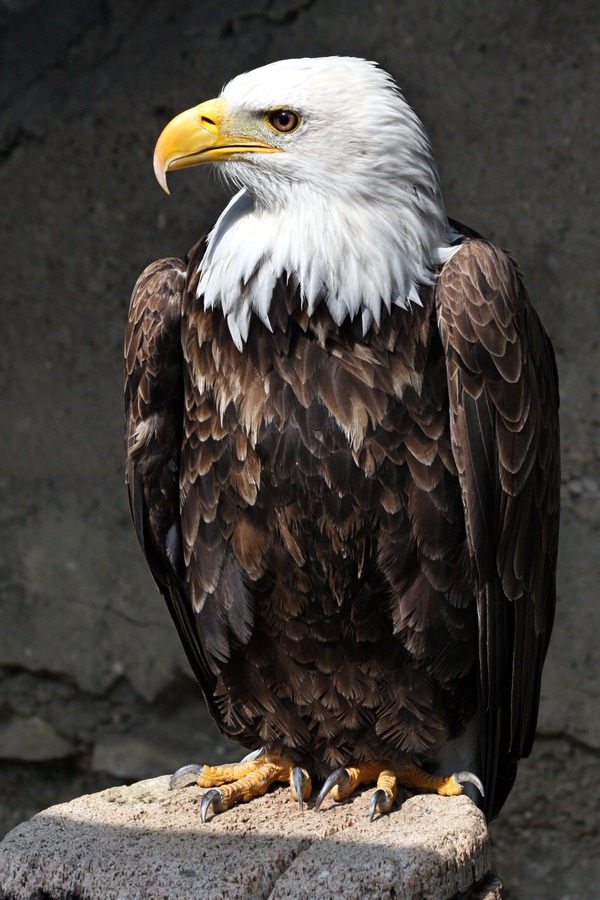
[(271, 15)]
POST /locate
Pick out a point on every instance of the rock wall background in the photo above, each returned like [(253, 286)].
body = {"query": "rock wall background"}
[(94, 687)]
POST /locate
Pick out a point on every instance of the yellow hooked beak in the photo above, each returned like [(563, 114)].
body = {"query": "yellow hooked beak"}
[(200, 135)]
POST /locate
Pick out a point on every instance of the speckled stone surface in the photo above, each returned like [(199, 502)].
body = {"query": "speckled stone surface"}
[(146, 842)]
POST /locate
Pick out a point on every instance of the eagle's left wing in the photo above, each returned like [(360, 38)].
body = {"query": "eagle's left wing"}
[(503, 393)]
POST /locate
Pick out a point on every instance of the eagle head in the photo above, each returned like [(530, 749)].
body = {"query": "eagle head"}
[(330, 160)]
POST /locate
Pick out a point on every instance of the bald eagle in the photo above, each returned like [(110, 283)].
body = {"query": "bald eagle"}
[(342, 451)]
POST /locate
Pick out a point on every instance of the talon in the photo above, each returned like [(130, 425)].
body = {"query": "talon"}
[(232, 783), (188, 774), (254, 754), (338, 778), (211, 798), (469, 778), (379, 797), (300, 783), (387, 791)]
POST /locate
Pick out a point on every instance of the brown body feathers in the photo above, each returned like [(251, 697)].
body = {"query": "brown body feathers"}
[(356, 535)]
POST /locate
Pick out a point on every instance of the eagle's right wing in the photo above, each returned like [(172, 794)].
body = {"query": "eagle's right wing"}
[(154, 397)]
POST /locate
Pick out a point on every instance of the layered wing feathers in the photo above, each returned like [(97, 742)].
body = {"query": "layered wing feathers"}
[(153, 423), (503, 395)]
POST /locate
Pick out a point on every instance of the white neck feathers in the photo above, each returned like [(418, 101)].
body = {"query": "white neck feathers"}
[(356, 262)]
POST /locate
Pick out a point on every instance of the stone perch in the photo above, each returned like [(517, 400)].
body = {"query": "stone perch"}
[(146, 842)]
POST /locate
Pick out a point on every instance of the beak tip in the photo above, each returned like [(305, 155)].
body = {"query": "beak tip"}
[(160, 173), (181, 141)]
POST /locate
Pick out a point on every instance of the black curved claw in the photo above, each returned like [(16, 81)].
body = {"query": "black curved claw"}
[(378, 797), (469, 778), (188, 774), (211, 798), (298, 780), (340, 776)]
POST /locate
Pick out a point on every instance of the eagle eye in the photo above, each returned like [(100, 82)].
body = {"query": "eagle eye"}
[(284, 120)]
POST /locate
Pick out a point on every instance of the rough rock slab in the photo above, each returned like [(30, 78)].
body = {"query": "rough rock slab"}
[(146, 842)]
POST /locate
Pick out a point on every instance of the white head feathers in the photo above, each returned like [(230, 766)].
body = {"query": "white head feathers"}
[(351, 206)]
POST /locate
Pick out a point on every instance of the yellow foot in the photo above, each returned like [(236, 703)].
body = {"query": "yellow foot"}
[(241, 782), (343, 782)]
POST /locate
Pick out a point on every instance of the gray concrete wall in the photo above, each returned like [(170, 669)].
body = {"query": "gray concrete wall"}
[(95, 686)]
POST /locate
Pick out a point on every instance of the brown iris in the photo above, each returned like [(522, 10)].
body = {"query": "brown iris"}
[(284, 120)]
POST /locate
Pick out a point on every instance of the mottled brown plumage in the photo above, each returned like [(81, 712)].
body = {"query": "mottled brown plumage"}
[(356, 535)]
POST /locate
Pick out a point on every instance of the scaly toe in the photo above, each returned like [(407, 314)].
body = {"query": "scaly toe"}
[(387, 791), (232, 783)]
